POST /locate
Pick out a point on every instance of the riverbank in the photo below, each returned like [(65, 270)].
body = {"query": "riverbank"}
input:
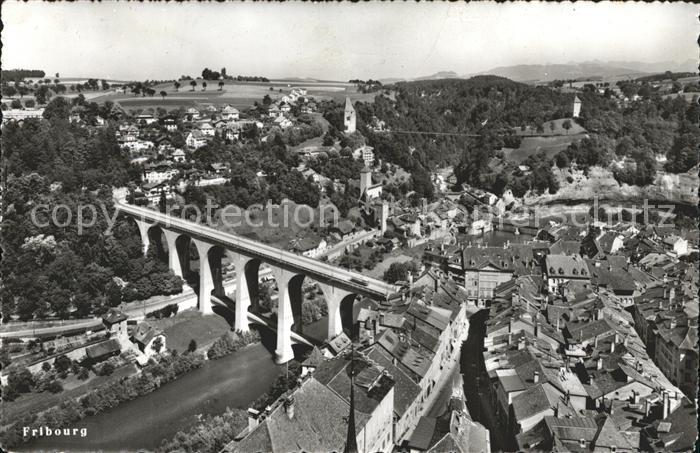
[(232, 381)]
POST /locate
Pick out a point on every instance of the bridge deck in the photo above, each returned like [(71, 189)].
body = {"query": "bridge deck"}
[(342, 278)]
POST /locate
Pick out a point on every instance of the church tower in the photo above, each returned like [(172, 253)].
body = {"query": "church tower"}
[(577, 106), (349, 117), (365, 179)]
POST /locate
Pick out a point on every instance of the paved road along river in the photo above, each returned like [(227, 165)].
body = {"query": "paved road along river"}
[(232, 381)]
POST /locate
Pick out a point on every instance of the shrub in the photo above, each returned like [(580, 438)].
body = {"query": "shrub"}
[(83, 374), (106, 369), (46, 366), (54, 387)]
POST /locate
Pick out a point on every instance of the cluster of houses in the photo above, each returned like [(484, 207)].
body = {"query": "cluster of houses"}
[(406, 354), (591, 339)]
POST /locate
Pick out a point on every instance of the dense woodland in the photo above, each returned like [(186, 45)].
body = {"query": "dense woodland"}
[(61, 271), (469, 121)]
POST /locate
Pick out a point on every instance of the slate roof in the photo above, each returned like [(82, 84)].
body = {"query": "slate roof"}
[(564, 266), (114, 316), (406, 390), (102, 349), (319, 424)]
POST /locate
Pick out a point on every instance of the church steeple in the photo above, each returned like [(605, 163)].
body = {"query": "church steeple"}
[(351, 439)]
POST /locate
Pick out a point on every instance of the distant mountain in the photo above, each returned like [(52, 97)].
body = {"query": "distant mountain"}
[(436, 76), (686, 66), (547, 72), (440, 75), (609, 69)]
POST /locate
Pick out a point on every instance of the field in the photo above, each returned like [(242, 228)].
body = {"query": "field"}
[(558, 129), (238, 94), (191, 325), (533, 145)]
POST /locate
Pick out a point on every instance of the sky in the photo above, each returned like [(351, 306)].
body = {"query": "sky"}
[(335, 41)]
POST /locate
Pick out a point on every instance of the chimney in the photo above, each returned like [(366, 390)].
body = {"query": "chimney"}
[(536, 377), (510, 338), (635, 397), (666, 405), (625, 341), (595, 342), (612, 347), (253, 419), (647, 407), (557, 324), (582, 443), (521, 344), (599, 364), (673, 323), (289, 407)]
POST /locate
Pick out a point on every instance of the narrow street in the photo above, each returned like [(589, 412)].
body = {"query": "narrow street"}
[(476, 380)]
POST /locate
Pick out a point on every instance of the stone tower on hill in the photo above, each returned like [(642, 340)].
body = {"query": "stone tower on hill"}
[(577, 107), (349, 117)]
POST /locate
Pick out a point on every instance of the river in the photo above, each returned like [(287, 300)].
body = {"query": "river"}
[(232, 381)]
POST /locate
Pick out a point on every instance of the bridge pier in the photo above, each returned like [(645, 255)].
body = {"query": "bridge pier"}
[(334, 297), (206, 280), (285, 317), (242, 292), (143, 229), (173, 252)]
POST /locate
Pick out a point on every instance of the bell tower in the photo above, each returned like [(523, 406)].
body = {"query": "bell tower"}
[(349, 117)]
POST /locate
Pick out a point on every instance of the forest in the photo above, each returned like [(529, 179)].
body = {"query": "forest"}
[(465, 123), (49, 270)]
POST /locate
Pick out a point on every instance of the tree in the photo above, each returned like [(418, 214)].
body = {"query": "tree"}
[(552, 126), (221, 85), (46, 366), (192, 347), (42, 94), (157, 344), (163, 94), (566, 125), (176, 84), (399, 271), (106, 369), (204, 86), (162, 203), (62, 363), (193, 84), (9, 91), (267, 100), (16, 104), (54, 387)]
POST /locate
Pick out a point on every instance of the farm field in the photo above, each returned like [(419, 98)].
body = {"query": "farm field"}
[(558, 129), (238, 94)]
